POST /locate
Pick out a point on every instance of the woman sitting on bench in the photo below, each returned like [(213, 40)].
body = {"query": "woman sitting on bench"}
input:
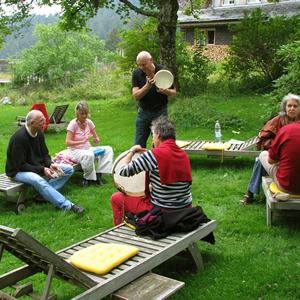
[(79, 131), (289, 113)]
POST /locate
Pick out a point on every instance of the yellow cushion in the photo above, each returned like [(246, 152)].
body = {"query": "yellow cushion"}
[(274, 189), (181, 144), (216, 146), (101, 258)]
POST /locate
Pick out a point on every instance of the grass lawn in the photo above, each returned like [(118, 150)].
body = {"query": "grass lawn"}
[(248, 261)]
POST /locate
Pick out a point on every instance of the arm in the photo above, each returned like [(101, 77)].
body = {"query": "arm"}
[(70, 142), (96, 139), (168, 92), (272, 161), (136, 148), (139, 93)]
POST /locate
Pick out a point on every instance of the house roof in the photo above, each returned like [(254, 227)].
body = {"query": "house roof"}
[(230, 14)]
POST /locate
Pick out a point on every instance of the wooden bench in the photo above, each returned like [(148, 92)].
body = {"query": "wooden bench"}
[(274, 208), (40, 259), (243, 149), (14, 191)]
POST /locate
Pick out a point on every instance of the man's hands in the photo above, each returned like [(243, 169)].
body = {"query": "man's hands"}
[(54, 169)]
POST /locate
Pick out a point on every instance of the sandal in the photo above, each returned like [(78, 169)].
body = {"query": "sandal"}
[(246, 200)]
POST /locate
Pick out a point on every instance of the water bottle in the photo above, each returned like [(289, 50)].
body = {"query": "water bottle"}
[(218, 132)]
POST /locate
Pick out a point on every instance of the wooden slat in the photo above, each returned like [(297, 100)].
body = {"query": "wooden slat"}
[(274, 208), (152, 253), (195, 148)]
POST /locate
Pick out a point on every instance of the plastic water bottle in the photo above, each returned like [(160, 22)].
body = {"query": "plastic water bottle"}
[(218, 132)]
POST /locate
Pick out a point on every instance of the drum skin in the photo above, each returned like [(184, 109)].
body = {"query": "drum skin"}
[(132, 186)]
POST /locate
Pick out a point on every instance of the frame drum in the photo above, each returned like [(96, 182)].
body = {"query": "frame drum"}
[(131, 186)]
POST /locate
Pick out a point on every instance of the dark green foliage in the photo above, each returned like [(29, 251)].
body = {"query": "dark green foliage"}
[(58, 57), (254, 49), (289, 81), (193, 68), (143, 35)]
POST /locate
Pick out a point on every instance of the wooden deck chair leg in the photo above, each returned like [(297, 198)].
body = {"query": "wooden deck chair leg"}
[(48, 283), (196, 255), (4, 296), (192, 252)]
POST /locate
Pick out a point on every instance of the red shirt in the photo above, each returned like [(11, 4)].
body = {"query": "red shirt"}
[(286, 148)]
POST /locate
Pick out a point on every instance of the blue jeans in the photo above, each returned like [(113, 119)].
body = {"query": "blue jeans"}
[(255, 180), (49, 189), (142, 125)]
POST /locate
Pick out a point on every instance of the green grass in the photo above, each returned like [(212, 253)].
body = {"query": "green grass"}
[(248, 261)]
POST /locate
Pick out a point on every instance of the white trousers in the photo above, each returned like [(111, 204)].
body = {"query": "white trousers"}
[(87, 159)]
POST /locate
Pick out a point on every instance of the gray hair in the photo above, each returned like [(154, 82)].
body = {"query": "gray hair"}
[(165, 126), (283, 113), (31, 116), (82, 105), (142, 54)]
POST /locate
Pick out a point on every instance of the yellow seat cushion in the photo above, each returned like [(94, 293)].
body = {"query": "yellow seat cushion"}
[(274, 189), (101, 258), (182, 144), (216, 146)]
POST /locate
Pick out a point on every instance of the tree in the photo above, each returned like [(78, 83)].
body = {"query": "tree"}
[(75, 14), (112, 40), (58, 55), (254, 48)]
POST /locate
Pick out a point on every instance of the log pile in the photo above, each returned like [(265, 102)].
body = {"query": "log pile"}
[(215, 53)]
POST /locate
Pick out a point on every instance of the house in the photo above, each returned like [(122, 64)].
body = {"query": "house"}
[(214, 20)]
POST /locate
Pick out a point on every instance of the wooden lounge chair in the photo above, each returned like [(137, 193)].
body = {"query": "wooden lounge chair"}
[(56, 120), (244, 149), (40, 259), (274, 208)]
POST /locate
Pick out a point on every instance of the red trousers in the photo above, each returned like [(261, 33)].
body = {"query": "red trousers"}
[(122, 204)]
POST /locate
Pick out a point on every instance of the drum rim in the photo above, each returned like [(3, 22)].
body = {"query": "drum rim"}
[(117, 185)]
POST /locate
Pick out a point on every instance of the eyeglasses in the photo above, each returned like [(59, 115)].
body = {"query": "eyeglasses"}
[(41, 121)]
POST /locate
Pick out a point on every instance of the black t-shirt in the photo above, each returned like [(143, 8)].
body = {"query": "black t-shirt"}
[(153, 100)]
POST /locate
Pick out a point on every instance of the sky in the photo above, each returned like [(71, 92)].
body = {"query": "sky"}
[(44, 10)]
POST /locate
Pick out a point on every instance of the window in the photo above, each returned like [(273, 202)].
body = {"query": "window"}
[(254, 1), (208, 36), (228, 2)]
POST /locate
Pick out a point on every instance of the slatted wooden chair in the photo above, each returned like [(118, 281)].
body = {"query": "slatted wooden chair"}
[(56, 120), (243, 149), (40, 259)]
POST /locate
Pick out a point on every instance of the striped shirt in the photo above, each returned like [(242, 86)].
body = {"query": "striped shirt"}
[(168, 196)]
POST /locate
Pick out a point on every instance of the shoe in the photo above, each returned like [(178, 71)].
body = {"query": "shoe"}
[(86, 183), (99, 180), (246, 200), (38, 198), (282, 196), (77, 209)]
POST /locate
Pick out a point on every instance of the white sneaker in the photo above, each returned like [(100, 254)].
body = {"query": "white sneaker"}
[(282, 196)]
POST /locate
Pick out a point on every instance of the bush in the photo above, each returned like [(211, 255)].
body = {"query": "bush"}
[(193, 70), (254, 48)]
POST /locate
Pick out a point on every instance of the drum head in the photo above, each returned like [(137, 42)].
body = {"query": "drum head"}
[(131, 186), (164, 79)]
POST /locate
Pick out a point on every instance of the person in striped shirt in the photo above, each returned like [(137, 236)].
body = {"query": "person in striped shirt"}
[(169, 174)]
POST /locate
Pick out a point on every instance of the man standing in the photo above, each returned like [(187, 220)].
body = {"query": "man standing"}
[(153, 102), (28, 160)]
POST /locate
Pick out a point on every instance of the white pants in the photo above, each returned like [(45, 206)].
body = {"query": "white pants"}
[(86, 158)]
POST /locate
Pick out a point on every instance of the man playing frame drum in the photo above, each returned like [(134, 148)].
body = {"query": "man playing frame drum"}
[(169, 169)]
